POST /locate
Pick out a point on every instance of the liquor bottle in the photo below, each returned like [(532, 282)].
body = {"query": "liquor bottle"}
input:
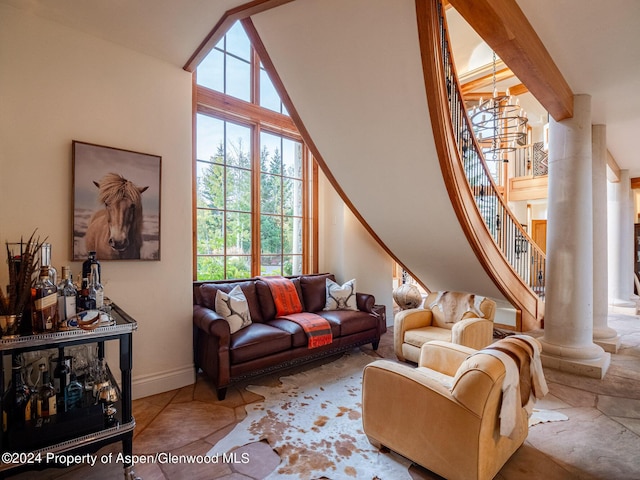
[(95, 287), (15, 401), (25, 391), (47, 401), (45, 261), (34, 390), (73, 394), (67, 296), (44, 312), (86, 266), (61, 375), (85, 302)]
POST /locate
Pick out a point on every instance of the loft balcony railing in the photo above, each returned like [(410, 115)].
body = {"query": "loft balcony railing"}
[(520, 251), (530, 161)]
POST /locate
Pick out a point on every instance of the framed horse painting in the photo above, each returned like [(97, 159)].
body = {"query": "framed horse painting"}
[(116, 203)]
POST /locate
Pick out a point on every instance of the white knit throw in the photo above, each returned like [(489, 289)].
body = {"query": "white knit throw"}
[(538, 382), (510, 398)]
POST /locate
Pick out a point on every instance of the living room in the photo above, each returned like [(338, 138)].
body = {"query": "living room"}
[(61, 83)]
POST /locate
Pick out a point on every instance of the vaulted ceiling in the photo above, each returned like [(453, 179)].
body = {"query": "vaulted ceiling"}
[(595, 45)]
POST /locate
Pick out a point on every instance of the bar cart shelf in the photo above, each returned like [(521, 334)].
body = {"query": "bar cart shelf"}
[(68, 434)]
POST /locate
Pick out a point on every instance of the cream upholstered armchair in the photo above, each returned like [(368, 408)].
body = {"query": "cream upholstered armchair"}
[(458, 317), (461, 413)]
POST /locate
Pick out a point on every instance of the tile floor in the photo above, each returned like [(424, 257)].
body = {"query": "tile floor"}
[(601, 439)]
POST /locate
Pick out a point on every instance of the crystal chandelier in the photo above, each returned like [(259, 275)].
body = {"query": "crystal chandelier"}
[(499, 123)]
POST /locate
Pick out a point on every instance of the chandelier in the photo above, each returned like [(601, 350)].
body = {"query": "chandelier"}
[(499, 123)]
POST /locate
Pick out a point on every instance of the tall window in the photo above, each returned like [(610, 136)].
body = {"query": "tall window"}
[(250, 176)]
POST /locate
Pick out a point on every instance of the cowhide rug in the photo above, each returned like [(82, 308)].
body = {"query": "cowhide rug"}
[(313, 421)]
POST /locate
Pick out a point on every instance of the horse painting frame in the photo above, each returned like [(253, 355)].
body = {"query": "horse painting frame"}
[(116, 203)]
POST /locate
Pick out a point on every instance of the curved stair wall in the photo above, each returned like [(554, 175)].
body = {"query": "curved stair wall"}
[(368, 117), (511, 257)]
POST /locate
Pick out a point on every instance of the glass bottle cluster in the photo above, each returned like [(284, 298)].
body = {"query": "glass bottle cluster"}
[(55, 305)]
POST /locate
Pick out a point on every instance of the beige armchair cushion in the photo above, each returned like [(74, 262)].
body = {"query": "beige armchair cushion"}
[(444, 414), (462, 318)]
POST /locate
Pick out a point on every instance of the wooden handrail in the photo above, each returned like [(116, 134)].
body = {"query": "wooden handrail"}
[(508, 254)]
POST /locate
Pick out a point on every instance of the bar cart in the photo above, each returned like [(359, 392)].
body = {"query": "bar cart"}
[(28, 447)]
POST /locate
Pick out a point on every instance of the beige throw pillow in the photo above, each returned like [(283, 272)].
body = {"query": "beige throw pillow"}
[(234, 308), (341, 297)]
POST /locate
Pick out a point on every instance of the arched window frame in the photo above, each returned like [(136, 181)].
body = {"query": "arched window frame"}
[(218, 105)]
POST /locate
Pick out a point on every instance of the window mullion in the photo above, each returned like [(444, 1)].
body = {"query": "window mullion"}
[(255, 77), (255, 202), (225, 212), (282, 220)]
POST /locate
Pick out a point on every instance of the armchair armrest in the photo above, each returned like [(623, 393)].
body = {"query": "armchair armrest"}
[(473, 332), (390, 369), (405, 409), (443, 357), (407, 320)]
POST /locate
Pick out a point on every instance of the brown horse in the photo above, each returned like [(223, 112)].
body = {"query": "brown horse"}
[(115, 232)]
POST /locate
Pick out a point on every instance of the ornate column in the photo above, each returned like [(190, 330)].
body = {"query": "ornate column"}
[(567, 343), (603, 335)]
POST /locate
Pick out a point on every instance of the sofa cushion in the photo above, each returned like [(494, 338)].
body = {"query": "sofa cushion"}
[(347, 322), (234, 308), (419, 336), (208, 291), (256, 341), (298, 336), (340, 297), (314, 290)]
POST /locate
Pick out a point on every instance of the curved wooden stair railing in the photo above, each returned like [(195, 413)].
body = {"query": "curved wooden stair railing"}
[(508, 254)]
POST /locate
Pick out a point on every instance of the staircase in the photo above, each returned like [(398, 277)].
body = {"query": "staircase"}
[(520, 273)]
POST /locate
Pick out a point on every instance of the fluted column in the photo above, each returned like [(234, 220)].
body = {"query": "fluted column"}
[(567, 343), (603, 335)]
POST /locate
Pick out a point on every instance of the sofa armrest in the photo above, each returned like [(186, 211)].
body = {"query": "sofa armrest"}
[(211, 342), (365, 302), (443, 357), (407, 320), (212, 323), (473, 332)]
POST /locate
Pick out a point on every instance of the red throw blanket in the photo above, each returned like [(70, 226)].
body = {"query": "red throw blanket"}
[(285, 295), (318, 330), (288, 305)]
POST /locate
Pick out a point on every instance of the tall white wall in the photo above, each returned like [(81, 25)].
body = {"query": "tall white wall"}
[(348, 251), (59, 85)]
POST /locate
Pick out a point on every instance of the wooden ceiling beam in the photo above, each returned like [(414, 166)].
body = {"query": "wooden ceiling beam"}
[(516, 90), (613, 172), (507, 31), (485, 80)]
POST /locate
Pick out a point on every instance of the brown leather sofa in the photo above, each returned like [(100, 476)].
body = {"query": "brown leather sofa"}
[(270, 343)]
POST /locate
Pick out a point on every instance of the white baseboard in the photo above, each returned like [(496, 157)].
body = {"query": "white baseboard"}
[(147, 385)]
